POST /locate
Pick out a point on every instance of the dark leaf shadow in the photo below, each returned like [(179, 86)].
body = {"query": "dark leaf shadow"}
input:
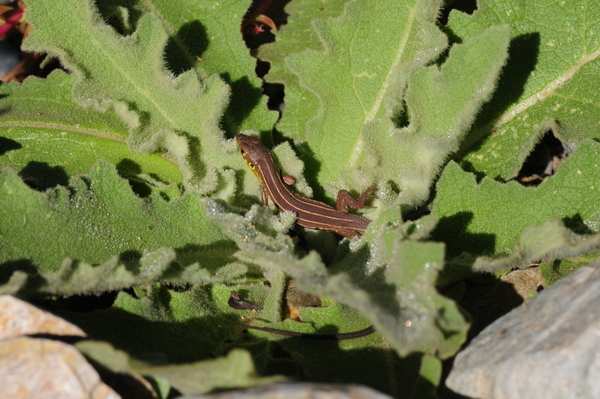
[(7, 144), (244, 98), (522, 60), (452, 230), (184, 49), (41, 176), (576, 224)]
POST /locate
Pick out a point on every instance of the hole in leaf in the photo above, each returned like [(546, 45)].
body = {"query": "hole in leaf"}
[(7, 144), (543, 161), (260, 23), (41, 176)]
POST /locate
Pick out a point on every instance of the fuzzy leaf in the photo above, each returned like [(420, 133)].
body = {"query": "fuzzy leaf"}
[(560, 250), (442, 104), (127, 75), (80, 278), (208, 34), (488, 218), (48, 136), (345, 67), (551, 79), (235, 370), (99, 216), (550, 240), (345, 91), (553, 270), (402, 302)]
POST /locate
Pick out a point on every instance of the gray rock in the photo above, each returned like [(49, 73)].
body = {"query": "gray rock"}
[(549, 347), (298, 391), (32, 368), (20, 318)]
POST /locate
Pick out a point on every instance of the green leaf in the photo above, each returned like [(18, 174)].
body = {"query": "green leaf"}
[(442, 103), (48, 104), (127, 74), (548, 241), (48, 136), (550, 82), (80, 278), (488, 217), (99, 216), (345, 67), (401, 302), (208, 34), (345, 84), (554, 270), (235, 370)]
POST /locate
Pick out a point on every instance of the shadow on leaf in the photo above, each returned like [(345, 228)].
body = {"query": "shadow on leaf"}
[(7, 144), (41, 176), (452, 230), (184, 49), (522, 59)]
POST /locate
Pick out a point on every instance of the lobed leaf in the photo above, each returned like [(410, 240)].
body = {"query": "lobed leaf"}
[(208, 36), (345, 67), (442, 103), (488, 217), (80, 278), (127, 74), (550, 81), (99, 216), (402, 302), (48, 136)]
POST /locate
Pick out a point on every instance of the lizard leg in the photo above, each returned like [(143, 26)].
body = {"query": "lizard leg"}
[(345, 200)]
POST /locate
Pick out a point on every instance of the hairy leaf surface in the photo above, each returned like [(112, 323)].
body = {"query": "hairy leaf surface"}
[(346, 71), (490, 216), (550, 82), (48, 136), (96, 217), (127, 74), (402, 302), (209, 34)]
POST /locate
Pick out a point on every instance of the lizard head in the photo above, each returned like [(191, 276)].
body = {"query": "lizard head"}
[(252, 149)]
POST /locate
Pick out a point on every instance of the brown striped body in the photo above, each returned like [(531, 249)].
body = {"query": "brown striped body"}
[(309, 213)]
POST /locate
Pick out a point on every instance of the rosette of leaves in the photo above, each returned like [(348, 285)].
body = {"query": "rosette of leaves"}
[(106, 168)]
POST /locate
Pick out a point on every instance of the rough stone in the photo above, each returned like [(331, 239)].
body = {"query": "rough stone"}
[(546, 348), (298, 391), (40, 368), (20, 318)]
